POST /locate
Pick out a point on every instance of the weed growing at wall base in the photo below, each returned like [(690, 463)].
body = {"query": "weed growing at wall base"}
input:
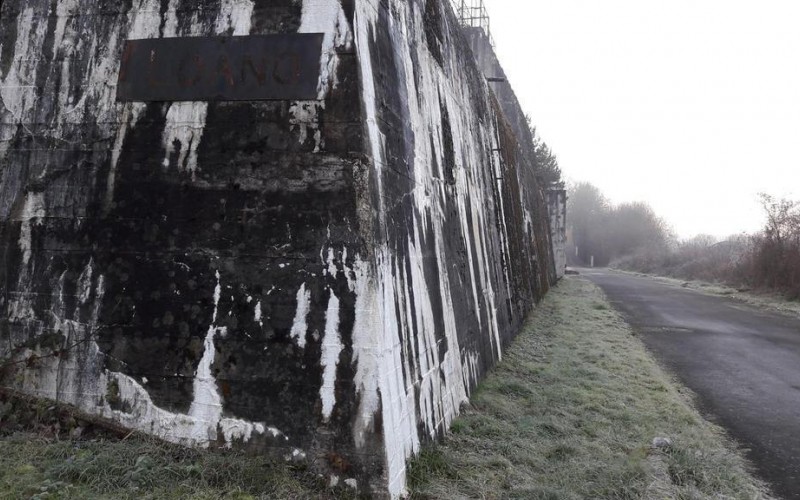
[(572, 413)]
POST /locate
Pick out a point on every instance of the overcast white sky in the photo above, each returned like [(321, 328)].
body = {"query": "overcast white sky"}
[(690, 105)]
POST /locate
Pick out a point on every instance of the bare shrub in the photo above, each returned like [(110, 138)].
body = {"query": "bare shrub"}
[(768, 260), (775, 259)]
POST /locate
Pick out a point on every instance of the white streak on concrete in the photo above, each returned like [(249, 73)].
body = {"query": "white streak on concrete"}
[(18, 93), (235, 17), (206, 407), (32, 214), (327, 17), (59, 308), (99, 293), (170, 29), (145, 20), (257, 314), (85, 282), (64, 10), (331, 270), (63, 48), (398, 403), (349, 273), (145, 416), (217, 296), (186, 121), (380, 384), (238, 430), (116, 151), (365, 17), (204, 420), (471, 368), (463, 185), (18, 88), (331, 350), (304, 117), (183, 132), (367, 350), (300, 323), (140, 413)]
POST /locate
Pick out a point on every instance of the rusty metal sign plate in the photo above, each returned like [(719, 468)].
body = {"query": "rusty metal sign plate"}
[(239, 68)]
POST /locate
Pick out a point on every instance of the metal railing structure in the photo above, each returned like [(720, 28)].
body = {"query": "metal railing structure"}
[(473, 13)]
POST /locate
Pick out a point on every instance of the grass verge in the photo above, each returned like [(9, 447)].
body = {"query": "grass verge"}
[(42, 456), (572, 412), (768, 301)]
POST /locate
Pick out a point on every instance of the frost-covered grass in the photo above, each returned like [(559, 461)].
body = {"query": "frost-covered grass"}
[(768, 301), (571, 413), (34, 467), (39, 460)]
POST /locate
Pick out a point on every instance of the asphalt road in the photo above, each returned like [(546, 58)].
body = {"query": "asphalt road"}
[(742, 362)]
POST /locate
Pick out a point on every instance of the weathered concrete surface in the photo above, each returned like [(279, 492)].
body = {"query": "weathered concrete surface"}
[(492, 68), (557, 208), (742, 362), (455, 261), (323, 280), (523, 150)]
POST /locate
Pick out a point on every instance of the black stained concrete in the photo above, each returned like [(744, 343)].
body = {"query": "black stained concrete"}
[(742, 362)]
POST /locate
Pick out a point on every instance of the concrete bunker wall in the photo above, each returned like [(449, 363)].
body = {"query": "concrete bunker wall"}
[(488, 62), (461, 253), (325, 280)]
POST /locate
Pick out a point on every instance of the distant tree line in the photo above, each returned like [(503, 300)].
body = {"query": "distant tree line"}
[(601, 232), (774, 261), (631, 236), (545, 161)]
